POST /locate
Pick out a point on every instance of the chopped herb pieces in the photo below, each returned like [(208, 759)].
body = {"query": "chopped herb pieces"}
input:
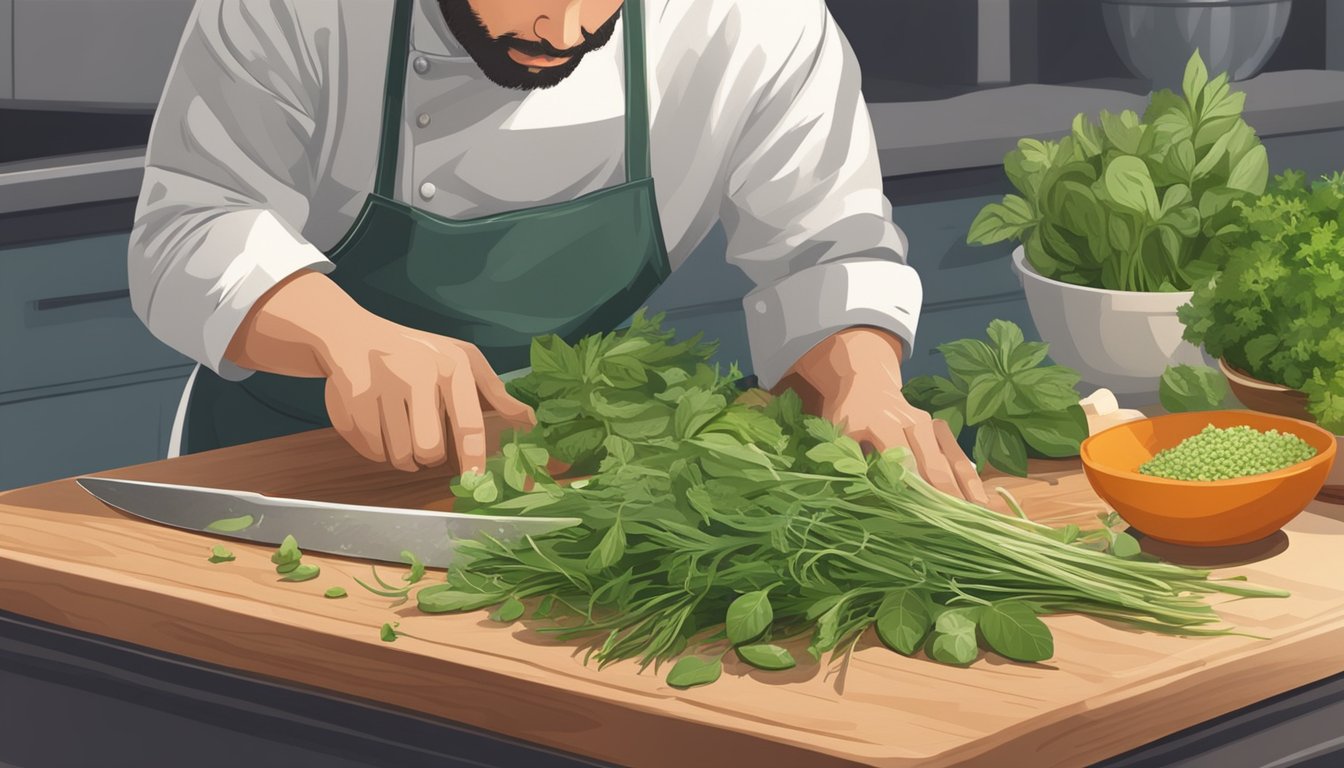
[(388, 632), (302, 573), (510, 610), (220, 554), (334, 592)]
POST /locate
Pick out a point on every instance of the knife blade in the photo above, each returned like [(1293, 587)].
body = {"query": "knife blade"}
[(374, 533)]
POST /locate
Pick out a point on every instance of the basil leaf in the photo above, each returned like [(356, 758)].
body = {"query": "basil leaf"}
[(334, 593), (748, 616), (231, 524), (956, 648), (1054, 434), (765, 656), (1013, 631), (903, 621), (1129, 184), (953, 621), (997, 444), (1185, 388), (510, 610), (1027, 355), (968, 358), (692, 671), (557, 410), (609, 550), (1006, 337), (988, 394)]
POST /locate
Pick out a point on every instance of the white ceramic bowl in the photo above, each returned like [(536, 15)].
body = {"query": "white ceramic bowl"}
[(1121, 340)]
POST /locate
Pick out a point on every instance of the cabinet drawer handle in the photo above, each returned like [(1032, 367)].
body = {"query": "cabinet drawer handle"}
[(59, 302)]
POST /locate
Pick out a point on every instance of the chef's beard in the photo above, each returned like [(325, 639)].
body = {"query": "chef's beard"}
[(491, 54)]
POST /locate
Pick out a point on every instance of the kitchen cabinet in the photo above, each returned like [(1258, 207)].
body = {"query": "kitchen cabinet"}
[(95, 52), (83, 386)]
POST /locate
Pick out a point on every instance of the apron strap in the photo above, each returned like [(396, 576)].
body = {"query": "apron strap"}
[(637, 162), (394, 93)]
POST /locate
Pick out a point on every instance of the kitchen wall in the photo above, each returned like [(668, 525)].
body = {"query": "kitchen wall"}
[(84, 387)]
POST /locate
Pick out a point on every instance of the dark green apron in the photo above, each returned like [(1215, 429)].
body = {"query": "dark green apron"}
[(570, 268)]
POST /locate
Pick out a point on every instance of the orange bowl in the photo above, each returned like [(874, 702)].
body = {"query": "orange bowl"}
[(1203, 513)]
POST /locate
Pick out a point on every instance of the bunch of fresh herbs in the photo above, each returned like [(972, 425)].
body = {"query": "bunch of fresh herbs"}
[(1130, 204), (1276, 311), (1016, 405), (711, 517)]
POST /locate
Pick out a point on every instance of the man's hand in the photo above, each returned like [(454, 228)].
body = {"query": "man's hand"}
[(389, 387), (854, 378)]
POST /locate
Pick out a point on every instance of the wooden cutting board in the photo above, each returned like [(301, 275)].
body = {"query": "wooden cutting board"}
[(67, 559)]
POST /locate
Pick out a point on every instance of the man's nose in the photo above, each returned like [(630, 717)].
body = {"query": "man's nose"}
[(562, 29)]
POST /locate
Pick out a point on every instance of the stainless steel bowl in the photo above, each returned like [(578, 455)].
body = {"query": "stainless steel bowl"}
[(1156, 38)]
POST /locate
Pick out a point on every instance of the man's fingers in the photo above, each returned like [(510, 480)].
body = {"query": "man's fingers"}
[(933, 465), (396, 433), (496, 395), (466, 421), (427, 427), (367, 433), (972, 487)]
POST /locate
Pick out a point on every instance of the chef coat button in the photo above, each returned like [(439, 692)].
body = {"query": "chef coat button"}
[(427, 190), (421, 65), (761, 307), (422, 120)]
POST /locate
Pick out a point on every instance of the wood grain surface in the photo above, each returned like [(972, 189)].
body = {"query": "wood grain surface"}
[(66, 558)]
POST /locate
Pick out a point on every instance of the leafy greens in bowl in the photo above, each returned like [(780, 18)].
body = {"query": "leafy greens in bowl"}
[(1130, 204)]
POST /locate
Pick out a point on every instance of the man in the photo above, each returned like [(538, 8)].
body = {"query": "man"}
[(355, 212)]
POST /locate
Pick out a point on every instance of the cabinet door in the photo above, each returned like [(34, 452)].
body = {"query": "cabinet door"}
[(54, 437), (96, 51), (65, 316)]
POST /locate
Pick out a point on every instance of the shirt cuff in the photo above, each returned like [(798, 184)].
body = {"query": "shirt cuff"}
[(271, 252), (787, 319)]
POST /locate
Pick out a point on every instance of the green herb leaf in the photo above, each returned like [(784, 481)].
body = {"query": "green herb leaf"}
[(988, 394), (544, 608), (334, 593), (1126, 546), (509, 611), (287, 553), (1056, 434), (845, 460), (1013, 631), (231, 524), (444, 598), (1192, 388), (693, 670), (287, 567), (765, 656), (388, 632), (956, 648), (903, 621), (220, 554), (1001, 446), (748, 616), (609, 550), (957, 620), (417, 568), (302, 573)]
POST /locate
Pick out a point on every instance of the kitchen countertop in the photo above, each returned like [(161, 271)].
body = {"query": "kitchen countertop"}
[(973, 130), (68, 560)]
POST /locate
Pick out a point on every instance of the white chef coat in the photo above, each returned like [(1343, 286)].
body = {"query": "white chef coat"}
[(264, 147)]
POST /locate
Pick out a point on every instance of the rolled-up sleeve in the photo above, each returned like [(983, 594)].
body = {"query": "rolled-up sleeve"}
[(805, 214), (228, 177)]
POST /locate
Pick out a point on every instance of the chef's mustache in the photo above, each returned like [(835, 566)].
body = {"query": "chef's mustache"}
[(543, 48)]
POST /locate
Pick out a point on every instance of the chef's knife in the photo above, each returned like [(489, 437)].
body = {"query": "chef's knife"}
[(375, 533)]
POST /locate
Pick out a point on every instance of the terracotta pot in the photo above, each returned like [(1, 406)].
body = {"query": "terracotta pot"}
[(1277, 399)]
